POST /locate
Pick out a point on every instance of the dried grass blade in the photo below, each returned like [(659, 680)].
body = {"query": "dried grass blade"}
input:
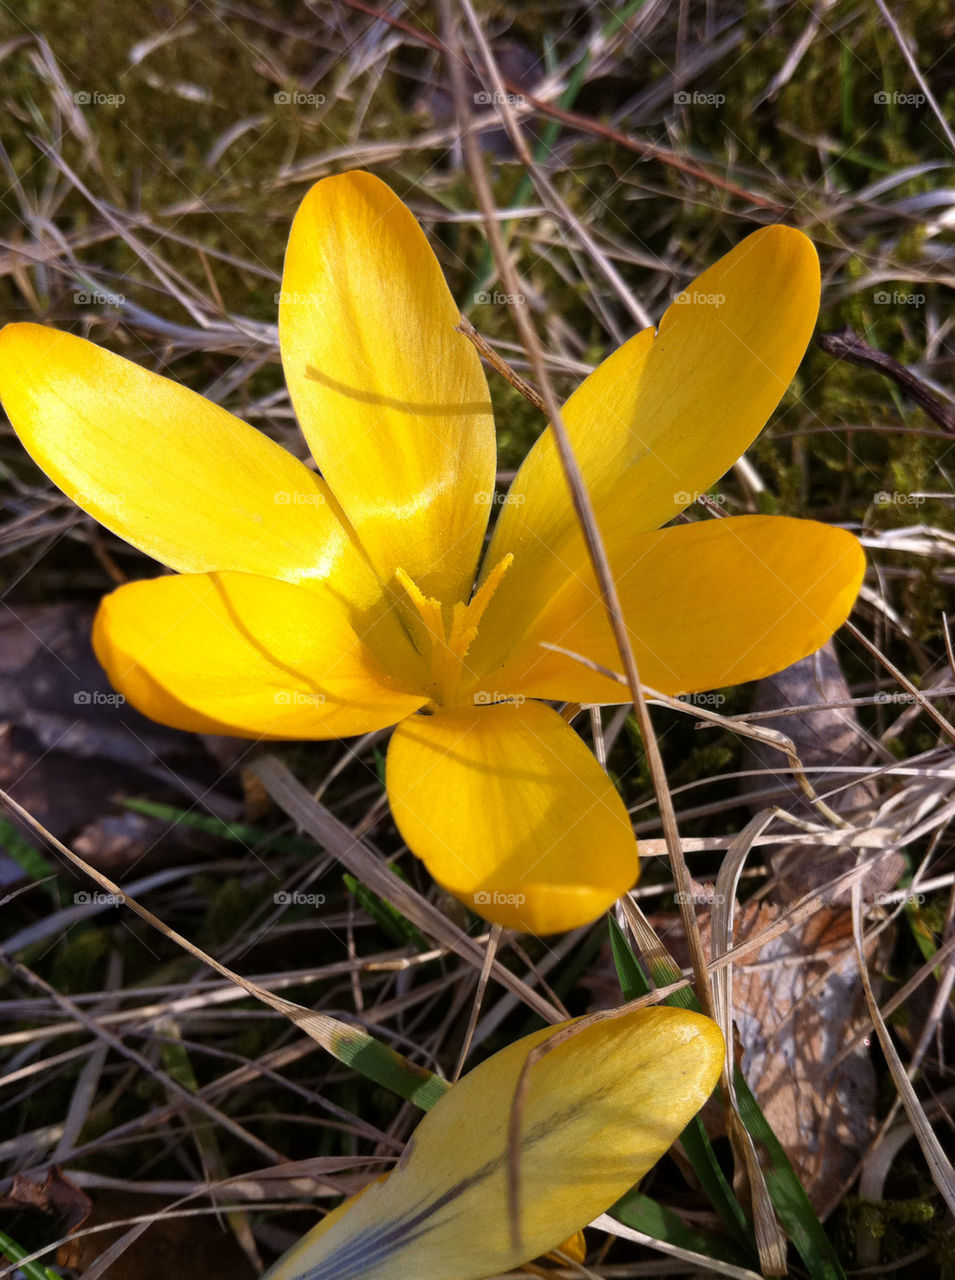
[(769, 1238), (940, 1167), (355, 855), (348, 1044), (614, 1228)]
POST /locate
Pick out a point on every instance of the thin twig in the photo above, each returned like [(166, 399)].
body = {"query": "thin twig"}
[(582, 508), (501, 366), (848, 346)]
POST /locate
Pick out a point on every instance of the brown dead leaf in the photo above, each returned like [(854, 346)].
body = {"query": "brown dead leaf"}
[(56, 1195), (795, 1007), (824, 738), (799, 1000), (69, 746)]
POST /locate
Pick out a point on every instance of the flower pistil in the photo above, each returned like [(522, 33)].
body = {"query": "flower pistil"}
[(446, 640)]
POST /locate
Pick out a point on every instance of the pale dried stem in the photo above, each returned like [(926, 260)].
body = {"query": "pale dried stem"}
[(940, 1167), (584, 513)]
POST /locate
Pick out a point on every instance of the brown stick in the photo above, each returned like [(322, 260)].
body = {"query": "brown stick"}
[(846, 345)]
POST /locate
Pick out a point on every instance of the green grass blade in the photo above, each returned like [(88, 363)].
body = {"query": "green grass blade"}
[(32, 1270), (27, 856), (239, 832), (787, 1192), (387, 1067), (653, 1219), (388, 918)]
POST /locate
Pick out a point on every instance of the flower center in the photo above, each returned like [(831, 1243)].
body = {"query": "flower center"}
[(449, 636)]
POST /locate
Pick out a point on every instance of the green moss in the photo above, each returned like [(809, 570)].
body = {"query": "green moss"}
[(78, 963), (227, 905)]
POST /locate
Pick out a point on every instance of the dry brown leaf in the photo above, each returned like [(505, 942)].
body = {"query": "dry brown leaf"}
[(56, 1195), (798, 1002), (69, 746), (794, 1013), (824, 738)]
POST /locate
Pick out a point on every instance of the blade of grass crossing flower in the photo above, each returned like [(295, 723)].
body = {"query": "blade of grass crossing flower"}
[(694, 1139), (573, 478), (785, 1190)]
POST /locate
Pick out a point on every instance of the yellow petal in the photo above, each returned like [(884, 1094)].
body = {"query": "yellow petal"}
[(253, 657), (392, 400), (664, 417), (574, 1249), (169, 471), (340, 1210), (512, 814), (708, 604), (601, 1108)]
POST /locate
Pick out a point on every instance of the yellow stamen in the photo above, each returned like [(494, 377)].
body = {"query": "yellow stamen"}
[(450, 645), (482, 597)]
